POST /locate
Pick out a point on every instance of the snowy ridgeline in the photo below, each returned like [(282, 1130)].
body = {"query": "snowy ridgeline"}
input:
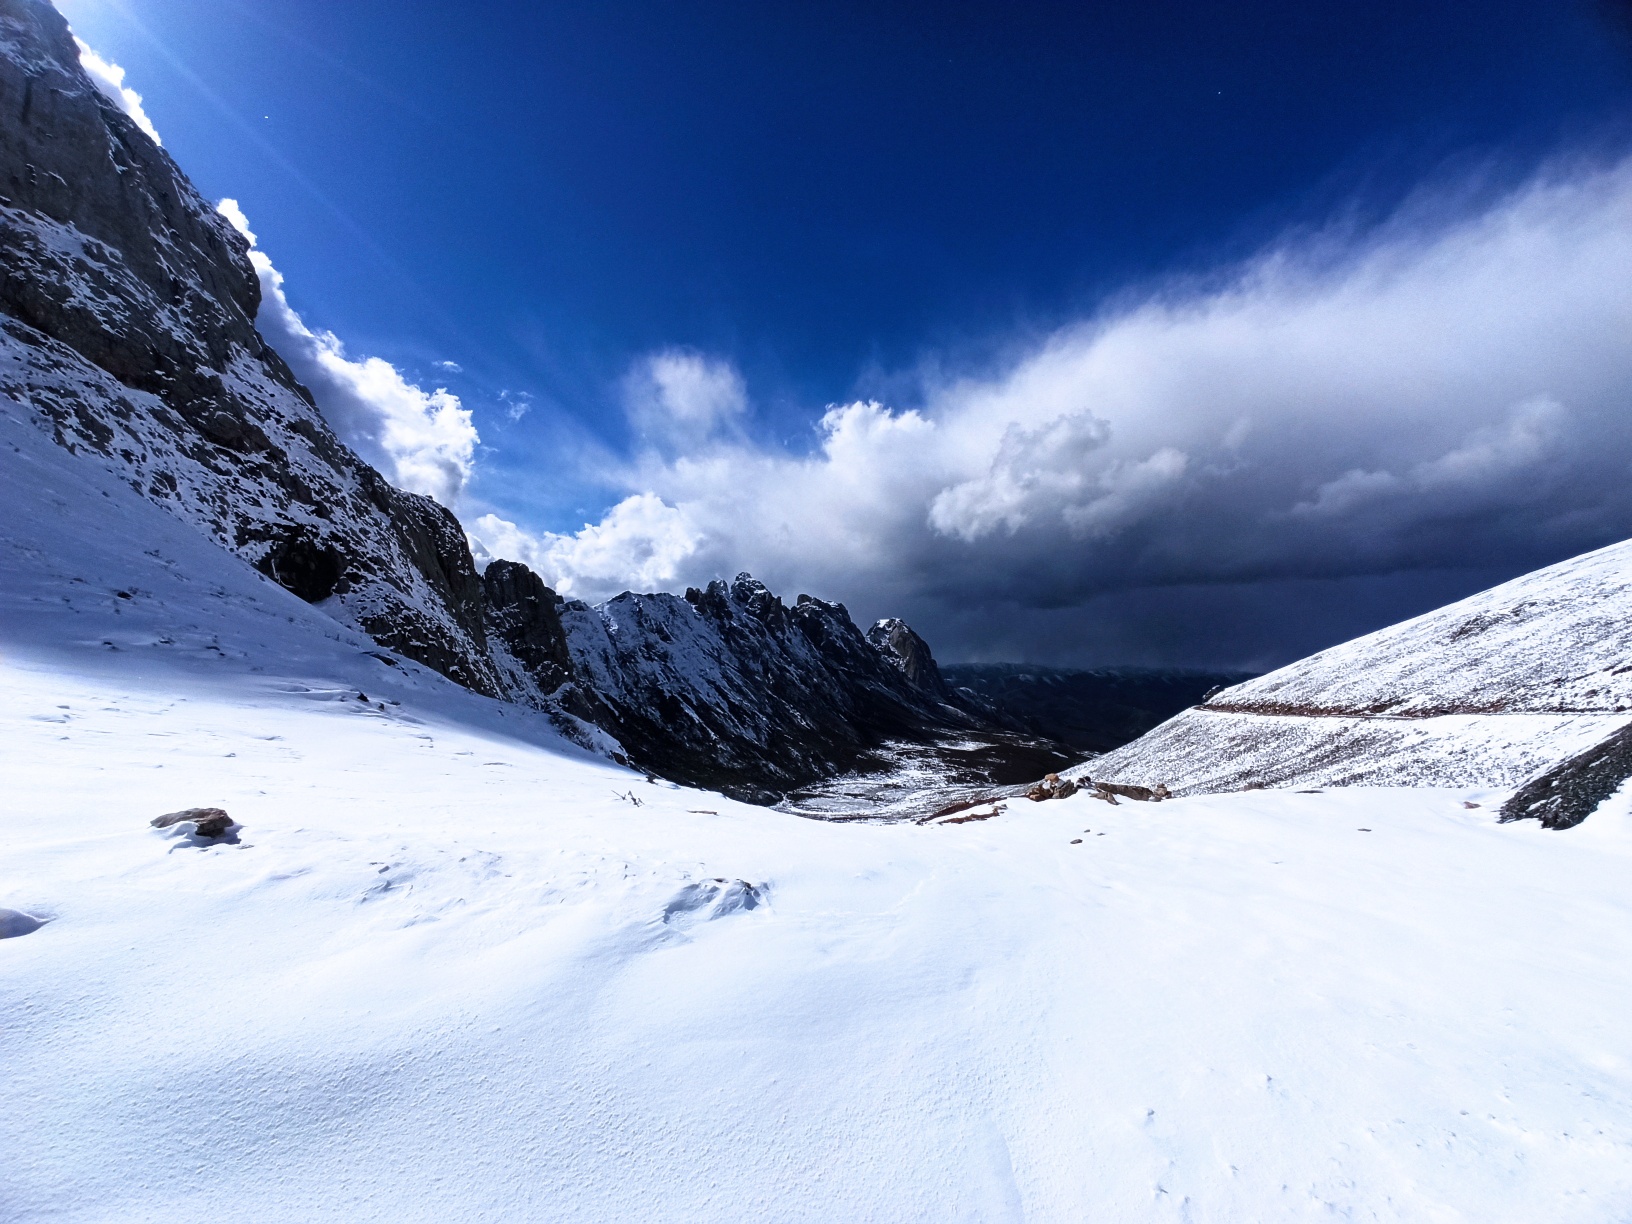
[(1507, 685), (451, 966)]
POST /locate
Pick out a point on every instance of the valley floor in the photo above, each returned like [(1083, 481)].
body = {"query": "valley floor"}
[(447, 974)]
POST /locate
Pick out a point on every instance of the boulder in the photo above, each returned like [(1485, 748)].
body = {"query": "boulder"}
[(1145, 794), (209, 821)]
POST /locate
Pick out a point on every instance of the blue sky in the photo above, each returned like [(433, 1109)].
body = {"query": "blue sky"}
[(815, 204)]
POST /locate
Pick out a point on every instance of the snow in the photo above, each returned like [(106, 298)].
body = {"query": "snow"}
[(1203, 750), (456, 968), (1557, 639), (1488, 691)]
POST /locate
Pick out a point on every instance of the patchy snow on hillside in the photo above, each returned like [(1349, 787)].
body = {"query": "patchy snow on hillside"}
[(449, 967), (1488, 691), (1204, 750), (1556, 640)]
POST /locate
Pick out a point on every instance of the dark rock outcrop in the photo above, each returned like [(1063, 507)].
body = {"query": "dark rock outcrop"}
[(206, 821), (1572, 790), (895, 640), (525, 615)]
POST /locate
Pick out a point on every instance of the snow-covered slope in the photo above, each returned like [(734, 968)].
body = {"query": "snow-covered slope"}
[(1504, 686), (455, 968)]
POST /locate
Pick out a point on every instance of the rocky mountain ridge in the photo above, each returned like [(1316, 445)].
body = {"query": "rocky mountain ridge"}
[(127, 333)]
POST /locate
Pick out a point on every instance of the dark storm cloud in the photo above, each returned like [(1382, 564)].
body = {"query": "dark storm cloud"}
[(1441, 395)]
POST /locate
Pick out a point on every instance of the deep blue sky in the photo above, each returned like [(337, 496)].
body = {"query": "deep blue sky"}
[(826, 194), (541, 191)]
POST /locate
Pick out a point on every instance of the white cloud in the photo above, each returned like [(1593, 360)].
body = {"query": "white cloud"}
[(1438, 393), (422, 441), (109, 78), (452, 367), (642, 543), (517, 404), (1046, 470), (682, 399)]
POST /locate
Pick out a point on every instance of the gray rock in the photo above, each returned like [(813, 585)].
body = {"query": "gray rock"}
[(209, 821), (1565, 795), (895, 640)]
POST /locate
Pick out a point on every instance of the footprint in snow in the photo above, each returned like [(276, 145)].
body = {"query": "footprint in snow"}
[(705, 900), (14, 923)]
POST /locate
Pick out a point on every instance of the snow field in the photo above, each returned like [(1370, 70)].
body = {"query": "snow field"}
[(445, 976)]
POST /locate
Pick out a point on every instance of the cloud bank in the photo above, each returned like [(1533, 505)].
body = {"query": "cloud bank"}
[(423, 441), (1443, 392), (110, 79)]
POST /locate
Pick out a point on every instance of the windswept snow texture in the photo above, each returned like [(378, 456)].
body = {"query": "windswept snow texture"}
[(457, 969), (1488, 691)]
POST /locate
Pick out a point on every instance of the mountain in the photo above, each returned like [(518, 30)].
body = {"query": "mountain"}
[(1091, 711), (1527, 685), (448, 960), (127, 334), (731, 688), (127, 328)]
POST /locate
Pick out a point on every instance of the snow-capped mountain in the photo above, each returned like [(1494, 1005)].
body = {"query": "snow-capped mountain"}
[(731, 688), (127, 328), (1528, 685), (127, 333)]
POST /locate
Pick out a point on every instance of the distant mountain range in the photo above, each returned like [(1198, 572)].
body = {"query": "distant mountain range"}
[(1089, 710)]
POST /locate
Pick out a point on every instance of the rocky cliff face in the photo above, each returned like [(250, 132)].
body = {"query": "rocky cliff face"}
[(736, 690), (1528, 685), (127, 308), (895, 640)]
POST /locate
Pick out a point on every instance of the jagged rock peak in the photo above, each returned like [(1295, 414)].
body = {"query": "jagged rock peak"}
[(894, 639), (525, 615)]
